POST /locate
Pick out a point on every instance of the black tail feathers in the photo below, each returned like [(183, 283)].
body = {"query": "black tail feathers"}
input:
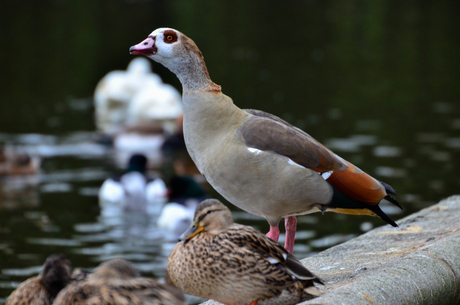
[(391, 191), (388, 188), (392, 200), (376, 209)]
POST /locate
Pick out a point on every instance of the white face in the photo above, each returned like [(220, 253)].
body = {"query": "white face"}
[(161, 45)]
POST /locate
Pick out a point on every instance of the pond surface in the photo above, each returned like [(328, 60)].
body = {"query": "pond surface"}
[(375, 81)]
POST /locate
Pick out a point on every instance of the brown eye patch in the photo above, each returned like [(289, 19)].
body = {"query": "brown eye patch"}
[(170, 36)]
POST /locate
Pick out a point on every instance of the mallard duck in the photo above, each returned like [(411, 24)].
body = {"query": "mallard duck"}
[(184, 196), (236, 264), (14, 162), (134, 190), (42, 289), (255, 160), (116, 282)]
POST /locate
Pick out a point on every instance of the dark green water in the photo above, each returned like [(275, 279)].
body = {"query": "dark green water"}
[(376, 81)]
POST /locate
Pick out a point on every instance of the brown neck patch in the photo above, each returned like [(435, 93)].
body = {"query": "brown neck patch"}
[(214, 89)]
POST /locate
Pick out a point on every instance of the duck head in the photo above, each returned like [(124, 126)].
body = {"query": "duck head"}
[(211, 216), (56, 273)]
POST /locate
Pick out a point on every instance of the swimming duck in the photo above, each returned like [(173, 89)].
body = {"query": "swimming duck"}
[(14, 163), (255, 160), (115, 90), (161, 104), (134, 97), (184, 196), (116, 282), (133, 190), (42, 289), (236, 264)]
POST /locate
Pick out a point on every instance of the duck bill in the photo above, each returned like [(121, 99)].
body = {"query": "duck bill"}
[(146, 47), (194, 229)]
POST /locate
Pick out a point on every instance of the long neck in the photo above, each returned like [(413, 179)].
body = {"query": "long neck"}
[(193, 74)]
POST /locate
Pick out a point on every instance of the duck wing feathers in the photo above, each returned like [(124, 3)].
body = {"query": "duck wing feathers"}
[(30, 292), (250, 238), (136, 291), (268, 132)]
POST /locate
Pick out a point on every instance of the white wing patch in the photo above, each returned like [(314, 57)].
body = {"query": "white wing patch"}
[(326, 175), (273, 260), (254, 150)]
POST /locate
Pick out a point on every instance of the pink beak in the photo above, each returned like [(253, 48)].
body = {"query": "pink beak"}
[(146, 47)]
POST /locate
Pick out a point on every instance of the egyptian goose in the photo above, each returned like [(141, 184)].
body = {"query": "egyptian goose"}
[(42, 289), (255, 160), (236, 264), (116, 282)]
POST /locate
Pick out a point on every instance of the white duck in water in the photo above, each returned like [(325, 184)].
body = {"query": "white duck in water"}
[(135, 97), (134, 190), (184, 196), (257, 161)]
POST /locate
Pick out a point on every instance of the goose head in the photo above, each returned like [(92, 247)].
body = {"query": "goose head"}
[(163, 46), (212, 217), (178, 53)]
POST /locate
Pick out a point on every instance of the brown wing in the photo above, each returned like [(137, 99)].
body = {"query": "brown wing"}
[(244, 236), (30, 292), (250, 238), (136, 291), (267, 132)]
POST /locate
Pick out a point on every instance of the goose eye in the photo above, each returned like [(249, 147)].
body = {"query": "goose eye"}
[(169, 36)]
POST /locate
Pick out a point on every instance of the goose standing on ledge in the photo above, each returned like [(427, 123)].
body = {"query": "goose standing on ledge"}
[(255, 160)]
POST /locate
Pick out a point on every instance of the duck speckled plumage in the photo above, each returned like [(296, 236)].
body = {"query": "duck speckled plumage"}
[(255, 160), (236, 264), (116, 282), (42, 289)]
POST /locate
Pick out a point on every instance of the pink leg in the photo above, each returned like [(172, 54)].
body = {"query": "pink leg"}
[(290, 224), (274, 233)]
